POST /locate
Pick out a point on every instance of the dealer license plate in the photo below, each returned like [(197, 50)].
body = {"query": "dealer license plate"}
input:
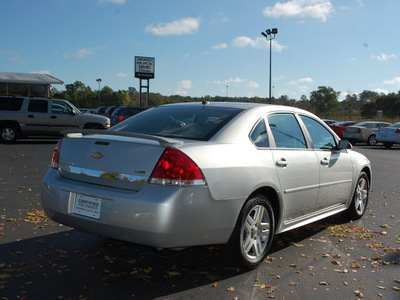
[(87, 206)]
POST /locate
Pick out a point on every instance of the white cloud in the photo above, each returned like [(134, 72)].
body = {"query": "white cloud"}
[(219, 19), (178, 27), (46, 72), (122, 74), (120, 2), (306, 80), (384, 57), (244, 41), (252, 84), (183, 86), (259, 42), (395, 81), (317, 9), (81, 53), (381, 91), (237, 81), (220, 46), (301, 80), (230, 80)]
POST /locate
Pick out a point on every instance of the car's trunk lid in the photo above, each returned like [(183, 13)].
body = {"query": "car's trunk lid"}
[(117, 160)]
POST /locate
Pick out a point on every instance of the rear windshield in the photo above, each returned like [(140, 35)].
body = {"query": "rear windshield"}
[(187, 122)]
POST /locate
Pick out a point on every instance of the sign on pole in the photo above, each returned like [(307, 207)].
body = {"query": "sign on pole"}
[(144, 67)]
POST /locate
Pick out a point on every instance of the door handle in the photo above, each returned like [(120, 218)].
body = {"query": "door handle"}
[(282, 162), (325, 161), (53, 117), (30, 116)]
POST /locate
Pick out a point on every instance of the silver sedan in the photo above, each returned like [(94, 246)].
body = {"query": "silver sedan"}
[(191, 174), (364, 132), (389, 135)]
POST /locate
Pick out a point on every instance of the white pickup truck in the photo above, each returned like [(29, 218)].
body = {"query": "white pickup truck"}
[(24, 116)]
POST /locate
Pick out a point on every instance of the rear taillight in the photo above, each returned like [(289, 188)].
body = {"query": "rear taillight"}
[(358, 130), (177, 169), (398, 131), (120, 118), (55, 159)]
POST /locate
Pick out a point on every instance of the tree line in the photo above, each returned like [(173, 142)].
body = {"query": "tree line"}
[(323, 102)]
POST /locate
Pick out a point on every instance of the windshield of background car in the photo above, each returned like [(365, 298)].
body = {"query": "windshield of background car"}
[(193, 122)]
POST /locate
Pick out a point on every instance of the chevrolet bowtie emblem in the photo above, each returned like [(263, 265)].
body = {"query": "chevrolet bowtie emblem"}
[(97, 155)]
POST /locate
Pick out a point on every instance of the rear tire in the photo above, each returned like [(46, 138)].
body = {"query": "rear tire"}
[(359, 202), (388, 145), (371, 140), (9, 134), (253, 234)]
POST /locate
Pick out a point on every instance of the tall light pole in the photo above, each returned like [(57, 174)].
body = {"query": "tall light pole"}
[(99, 81), (269, 35)]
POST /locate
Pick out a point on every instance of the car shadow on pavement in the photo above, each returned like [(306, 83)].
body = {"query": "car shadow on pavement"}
[(76, 265)]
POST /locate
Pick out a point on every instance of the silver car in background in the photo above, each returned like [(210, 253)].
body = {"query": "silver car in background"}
[(363, 132), (389, 135), (193, 174)]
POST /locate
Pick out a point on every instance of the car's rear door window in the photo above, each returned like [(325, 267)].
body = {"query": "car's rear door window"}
[(286, 131)]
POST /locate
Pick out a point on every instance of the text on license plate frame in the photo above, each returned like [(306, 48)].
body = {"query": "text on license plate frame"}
[(87, 206)]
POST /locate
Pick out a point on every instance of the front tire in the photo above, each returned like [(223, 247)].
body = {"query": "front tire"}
[(359, 202), (253, 234)]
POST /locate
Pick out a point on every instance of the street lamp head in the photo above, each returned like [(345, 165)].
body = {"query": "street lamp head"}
[(98, 80), (268, 31), (264, 34), (274, 30)]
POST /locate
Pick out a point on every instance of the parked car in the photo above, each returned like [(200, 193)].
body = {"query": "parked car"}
[(108, 112), (329, 122), (190, 174), (363, 132), (339, 127), (124, 112), (25, 116), (389, 135), (100, 110), (87, 110)]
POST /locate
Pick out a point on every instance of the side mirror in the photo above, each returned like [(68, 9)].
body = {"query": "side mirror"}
[(344, 144)]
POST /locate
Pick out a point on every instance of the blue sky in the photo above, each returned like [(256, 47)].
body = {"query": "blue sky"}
[(207, 47)]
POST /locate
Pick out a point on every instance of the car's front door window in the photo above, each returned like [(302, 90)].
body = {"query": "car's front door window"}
[(321, 137)]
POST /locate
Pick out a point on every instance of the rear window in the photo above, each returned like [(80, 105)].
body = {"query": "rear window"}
[(182, 121), (130, 111), (119, 111), (12, 104)]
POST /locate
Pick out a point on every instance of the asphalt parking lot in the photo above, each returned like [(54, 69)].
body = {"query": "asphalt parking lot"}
[(330, 259)]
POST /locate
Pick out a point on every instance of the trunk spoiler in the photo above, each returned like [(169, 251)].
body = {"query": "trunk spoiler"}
[(164, 142)]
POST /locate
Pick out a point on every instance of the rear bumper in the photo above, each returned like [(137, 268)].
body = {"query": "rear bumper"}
[(158, 216), (382, 138)]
